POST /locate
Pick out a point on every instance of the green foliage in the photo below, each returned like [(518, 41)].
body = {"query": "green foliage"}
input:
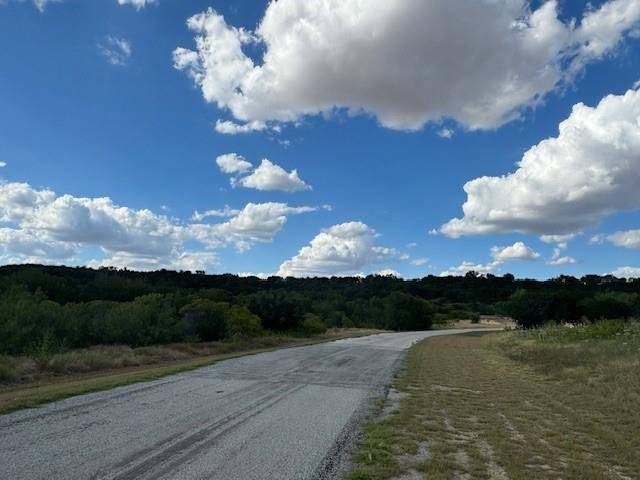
[(241, 323), (528, 309), (603, 330), (205, 319), (407, 312), (44, 310), (279, 310), (608, 305), (313, 325)]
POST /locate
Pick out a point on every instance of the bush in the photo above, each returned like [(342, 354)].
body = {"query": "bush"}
[(608, 305), (407, 312), (241, 323), (528, 309), (205, 319), (313, 325)]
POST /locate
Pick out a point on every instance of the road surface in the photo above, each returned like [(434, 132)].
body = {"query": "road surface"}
[(287, 414)]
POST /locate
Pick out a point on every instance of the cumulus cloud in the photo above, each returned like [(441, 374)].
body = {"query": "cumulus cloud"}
[(517, 251), (255, 223), (395, 61), (3, 164), (566, 183), (41, 226), (559, 259), (626, 239), (116, 50), (227, 127), (185, 260), (466, 267), (626, 272), (233, 163), (227, 211), (138, 4), (342, 249), (269, 176), (266, 177)]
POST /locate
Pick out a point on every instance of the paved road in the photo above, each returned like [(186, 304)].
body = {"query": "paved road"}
[(286, 414)]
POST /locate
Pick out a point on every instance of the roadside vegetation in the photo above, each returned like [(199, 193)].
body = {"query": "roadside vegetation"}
[(557, 401), (50, 310)]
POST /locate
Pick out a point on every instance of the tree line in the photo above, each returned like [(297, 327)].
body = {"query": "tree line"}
[(44, 307)]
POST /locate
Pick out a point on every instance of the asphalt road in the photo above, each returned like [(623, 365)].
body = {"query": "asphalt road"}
[(287, 414)]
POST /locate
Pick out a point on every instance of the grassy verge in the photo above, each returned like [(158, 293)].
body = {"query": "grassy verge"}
[(27, 382), (554, 403)]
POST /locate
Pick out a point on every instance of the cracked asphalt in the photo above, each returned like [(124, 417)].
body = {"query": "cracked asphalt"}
[(287, 414)]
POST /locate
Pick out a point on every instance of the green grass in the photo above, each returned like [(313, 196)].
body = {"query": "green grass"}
[(556, 403), (28, 382)]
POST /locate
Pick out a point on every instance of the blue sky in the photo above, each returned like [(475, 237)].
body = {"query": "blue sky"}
[(95, 104)]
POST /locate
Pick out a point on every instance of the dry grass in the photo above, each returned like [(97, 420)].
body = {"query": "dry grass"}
[(27, 382), (512, 406)]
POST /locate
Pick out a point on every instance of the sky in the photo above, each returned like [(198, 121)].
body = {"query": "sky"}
[(323, 137)]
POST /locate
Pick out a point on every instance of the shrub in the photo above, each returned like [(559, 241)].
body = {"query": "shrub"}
[(528, 309), (205, 319), (313, 325), (241, 323), (407, 312), (608, 305)]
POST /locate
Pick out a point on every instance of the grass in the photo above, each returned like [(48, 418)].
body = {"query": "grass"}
[(553, 403), (27, 382)]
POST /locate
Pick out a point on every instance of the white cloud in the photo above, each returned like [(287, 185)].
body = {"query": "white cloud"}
[(34, 244), (3, 164), (260, 275), (412, 245), (256, 223), (395, 61), (419, 261), (517, 251), (227, 127), (138, 4), (626, 272), (558, 239), (445, 133), (233, 163), (626, 239), (562, 261), (389, 272), (186, 260), (636, 85), (558, 259), (38, 225), (466, 267), (18, 200), (563, 184), (268, 176), (340, 250), (117, 51), (227, 211)]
